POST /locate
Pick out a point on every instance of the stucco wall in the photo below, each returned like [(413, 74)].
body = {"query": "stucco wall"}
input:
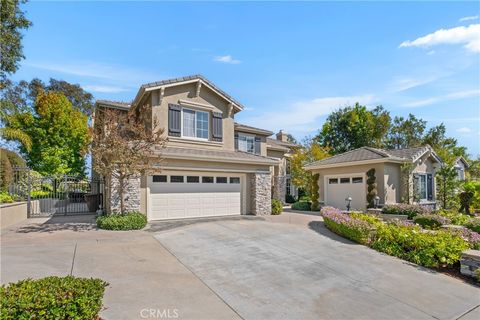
[(206, 96), (379, 173), (12, 213), (392, 183)]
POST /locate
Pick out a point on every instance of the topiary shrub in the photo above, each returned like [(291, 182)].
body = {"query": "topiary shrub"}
[(315, 206), (52, 298), (302, 206), (431, 221), (466, 200), (411, 210), (277, 207), (129, 221), (371, 187), (290, 199)]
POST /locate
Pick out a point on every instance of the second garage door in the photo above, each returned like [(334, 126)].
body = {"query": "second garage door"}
[(177, 196), (340, 187)]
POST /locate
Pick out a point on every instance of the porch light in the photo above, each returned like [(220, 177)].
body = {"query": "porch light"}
[(348, 201), (376, 200)]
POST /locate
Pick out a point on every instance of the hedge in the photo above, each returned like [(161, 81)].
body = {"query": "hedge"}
[(52, 298), (411, 210), (350, 227), (431, 221), (302, 206), (129, 221)]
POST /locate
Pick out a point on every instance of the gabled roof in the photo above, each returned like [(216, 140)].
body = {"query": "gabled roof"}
[(374, 155), (465, 163), (245, 128), (113, 104), (188, 79)]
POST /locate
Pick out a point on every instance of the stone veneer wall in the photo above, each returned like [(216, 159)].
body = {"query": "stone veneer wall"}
[(261, 193), (131, 194), (470, 262), (279, 188)]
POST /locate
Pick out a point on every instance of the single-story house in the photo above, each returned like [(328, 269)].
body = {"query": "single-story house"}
[(212, 165), (401, 175)]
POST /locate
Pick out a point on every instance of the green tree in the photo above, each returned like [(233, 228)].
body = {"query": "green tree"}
[(59, 135), (354, 127), (406, 133), (436, 137), (12, 22), (308, 152)]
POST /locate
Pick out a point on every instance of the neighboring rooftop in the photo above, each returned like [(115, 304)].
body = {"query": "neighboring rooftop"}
[(114, 104), (368, 153), (244, 127)]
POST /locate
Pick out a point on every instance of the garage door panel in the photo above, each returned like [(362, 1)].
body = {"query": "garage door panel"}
[(336, 193), (183, 200)]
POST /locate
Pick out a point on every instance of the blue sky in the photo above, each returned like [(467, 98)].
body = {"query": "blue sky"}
[(290, 64)]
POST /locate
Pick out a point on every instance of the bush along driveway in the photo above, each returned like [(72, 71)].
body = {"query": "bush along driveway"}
[(404, 239)]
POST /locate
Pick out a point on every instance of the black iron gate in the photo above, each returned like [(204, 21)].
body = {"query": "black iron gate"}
[(57, 194)]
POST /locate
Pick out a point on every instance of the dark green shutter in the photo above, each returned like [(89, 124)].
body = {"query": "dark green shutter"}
[(429, 187), (174, 120), (217, 130)]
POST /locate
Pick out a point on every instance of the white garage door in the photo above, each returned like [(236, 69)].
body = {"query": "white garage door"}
[(177, 196), (340, 187)]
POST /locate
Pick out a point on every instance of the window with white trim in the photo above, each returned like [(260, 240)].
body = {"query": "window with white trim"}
[(195, 124), (246, 143)]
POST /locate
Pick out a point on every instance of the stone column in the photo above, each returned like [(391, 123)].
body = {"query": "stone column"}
[(279, 188), (261, 197), (131, 195)]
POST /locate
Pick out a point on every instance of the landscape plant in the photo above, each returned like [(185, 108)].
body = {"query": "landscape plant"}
[(133, 220), (410, 210), (277, 207), (455, 217), (348, 226), (315, 206), (371, 187), (474, 224), (431, 221), (302, 205), (5, 197), (52, 298)]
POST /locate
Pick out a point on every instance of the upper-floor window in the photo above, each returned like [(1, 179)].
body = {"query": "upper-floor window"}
[(195, 124), (246, 143)]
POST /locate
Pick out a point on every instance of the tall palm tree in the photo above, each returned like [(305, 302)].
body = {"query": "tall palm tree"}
[(14, 134)]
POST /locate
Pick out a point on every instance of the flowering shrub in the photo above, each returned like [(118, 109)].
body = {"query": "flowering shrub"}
[(346, 225), (472, 237), (474, 225), (411, 243), (455, 217), (411, 210), (431, 221)]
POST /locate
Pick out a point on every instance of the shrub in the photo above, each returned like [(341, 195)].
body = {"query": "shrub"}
[(302, 205), (431, 221), (315, 206), (429, 249), (411, 210), (277, 207), (455, 217), (5, 198), (477, 274), (129, 221), (474, 225), (472, 237), (349, 226), (371, 187), (371, 219), (39, 194), (289, 198), (52, 298)]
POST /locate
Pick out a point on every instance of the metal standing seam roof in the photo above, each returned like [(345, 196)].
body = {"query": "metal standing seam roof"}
[(188, 78), (214, 155), (368, 153)]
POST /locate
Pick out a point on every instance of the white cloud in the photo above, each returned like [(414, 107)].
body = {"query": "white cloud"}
[(227, 59), (104, 89), (464, 130), (469, 36), (468, 18), (95, 70), (450, 96), (302, 116), (431, 52), (405, 83)]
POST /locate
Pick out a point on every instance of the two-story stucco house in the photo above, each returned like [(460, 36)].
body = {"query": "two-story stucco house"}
[(211, 166)]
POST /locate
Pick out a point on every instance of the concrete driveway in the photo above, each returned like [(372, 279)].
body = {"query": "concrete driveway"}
[(283, 267), (300, 270)]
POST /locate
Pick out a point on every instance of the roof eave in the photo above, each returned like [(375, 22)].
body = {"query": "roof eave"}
[(354, 163), (220, 159)]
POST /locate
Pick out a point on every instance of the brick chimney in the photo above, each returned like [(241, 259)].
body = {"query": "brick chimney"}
[(282, 136)]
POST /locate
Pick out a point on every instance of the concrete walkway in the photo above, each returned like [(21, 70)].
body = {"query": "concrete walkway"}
[(276, 267), (146, 281)]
